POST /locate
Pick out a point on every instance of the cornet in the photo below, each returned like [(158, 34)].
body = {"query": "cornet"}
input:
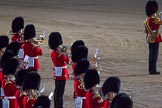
[(41, 38), (94, 61), (65, 49), (159, 15)]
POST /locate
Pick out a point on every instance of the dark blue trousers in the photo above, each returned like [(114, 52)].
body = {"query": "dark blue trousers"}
[(153, 56), (58, 93)]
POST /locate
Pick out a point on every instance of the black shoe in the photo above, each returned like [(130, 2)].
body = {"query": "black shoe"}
[(154, 73)]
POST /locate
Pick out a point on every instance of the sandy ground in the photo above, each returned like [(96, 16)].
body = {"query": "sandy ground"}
[(113, 26)]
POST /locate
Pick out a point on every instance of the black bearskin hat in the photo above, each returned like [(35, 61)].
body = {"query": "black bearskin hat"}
[(17, 24), (42, 102), (91, 78), (29, 32), (14, 46), (55, 39), (74, 47), (20, 76), (81, 53), (151, 7), (122, 100), (6, 55), (10, 66), (81, 67), (112, 84), (31, 81), (4, 41)]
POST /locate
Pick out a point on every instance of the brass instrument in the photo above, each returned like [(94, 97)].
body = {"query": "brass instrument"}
[(94, 61), (32, 93), (130, 92), (159, 15), (41, 38), (151, 35), (65, 49)]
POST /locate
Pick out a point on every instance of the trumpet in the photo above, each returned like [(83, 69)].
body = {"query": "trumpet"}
[(94, 61), (65, 49), (38, 40), (41, 38), (159, 15)]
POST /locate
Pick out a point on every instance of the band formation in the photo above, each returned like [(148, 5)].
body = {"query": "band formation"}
[(19, 66)]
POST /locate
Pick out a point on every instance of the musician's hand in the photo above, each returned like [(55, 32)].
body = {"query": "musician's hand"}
[(36, 42)]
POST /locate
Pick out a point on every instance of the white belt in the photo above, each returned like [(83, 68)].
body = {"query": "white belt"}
[(58, 70), (34, 57), (81, 97), (61, 67), (8, 97)]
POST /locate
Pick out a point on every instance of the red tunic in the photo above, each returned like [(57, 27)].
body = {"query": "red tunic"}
[(80, 91), (1, 77), (21, 99), (9, 88), (60, 61), (94, 100), (32, 51), (16, 37), (73, 67), (30, 103), (106, 103), (154, 26)]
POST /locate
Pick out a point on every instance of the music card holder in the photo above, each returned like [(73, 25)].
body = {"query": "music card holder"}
[(29, 61), (78, 102), (58, 71), (21, 53), (2, 92), (5, 103)]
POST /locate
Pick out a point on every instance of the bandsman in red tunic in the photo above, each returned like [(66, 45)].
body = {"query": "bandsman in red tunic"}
[(17, 34), (31, 50), (42, 102), (152, 24), (4, 40), (8, 84), (17, 27), (31, 85), (7, 54), (79, 90), (21, 95), (122, 100), (110, 89), (16, 48), (60, 61), (93, 97), (74, 47)]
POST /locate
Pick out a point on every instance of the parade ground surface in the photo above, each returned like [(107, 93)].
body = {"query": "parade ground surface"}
[(115, 27)]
